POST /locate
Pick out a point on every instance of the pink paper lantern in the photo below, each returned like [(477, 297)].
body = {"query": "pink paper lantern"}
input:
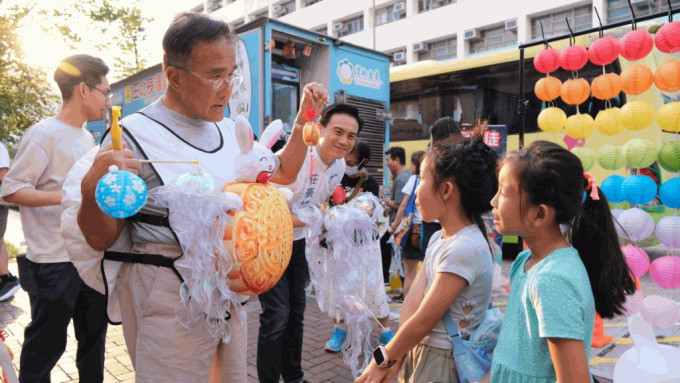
[(604, 50), (547, 60), (660, 311), (636, 44), (637, 259), (636, 223), (633, 303), (668, 231), (665, 272), (667, 38), (573, 57)]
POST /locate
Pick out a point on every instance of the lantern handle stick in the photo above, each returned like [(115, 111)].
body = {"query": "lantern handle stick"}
[(632, 13), (195, 162), (572, 40), (670, 11), (601, 33), (545, 43)]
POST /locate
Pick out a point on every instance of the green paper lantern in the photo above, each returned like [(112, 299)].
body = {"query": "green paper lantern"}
[(637, 115), (669, 156), (640, 153), (586, 155), (668, 117), (552, 119), (610, 157), (608, 121), (579, 125)]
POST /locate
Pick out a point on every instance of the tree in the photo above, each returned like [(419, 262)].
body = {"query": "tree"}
[(25, 93), (122, 24)]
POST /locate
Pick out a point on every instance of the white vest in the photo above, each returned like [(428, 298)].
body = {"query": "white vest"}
[(156, 142)]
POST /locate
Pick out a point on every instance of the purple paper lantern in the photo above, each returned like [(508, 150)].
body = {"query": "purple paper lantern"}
[(669, 193), (660, 311), (633, 303), (665, 272), (668, 231), (611, 187), (638, 189), (637, 259), (637, 224)]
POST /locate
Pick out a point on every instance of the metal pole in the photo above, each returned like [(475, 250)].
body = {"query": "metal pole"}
[(373, 13), (522, 101)]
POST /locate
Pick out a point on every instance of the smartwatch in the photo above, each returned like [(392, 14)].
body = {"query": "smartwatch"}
[(380, 357)]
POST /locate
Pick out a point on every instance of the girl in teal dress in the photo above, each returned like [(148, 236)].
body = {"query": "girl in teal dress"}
[(555, 287)]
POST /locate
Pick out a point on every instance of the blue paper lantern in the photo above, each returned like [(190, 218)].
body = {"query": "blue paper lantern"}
[(611, 187), (120, 193), (669, 193), (638, 189)]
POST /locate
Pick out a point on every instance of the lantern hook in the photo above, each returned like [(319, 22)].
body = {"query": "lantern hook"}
[(572, 39), (545, 43), (601, 33), (633, 18), (670, 11)]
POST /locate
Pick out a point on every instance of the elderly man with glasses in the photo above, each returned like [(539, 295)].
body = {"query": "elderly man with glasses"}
[(187, 123), (34, 182)]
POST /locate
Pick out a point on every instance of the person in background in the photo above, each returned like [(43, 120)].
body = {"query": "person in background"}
[(9, 284), (411, 254), (396, 162), (34, 181)]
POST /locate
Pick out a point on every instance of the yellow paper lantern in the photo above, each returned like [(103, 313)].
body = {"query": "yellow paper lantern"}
[(610, 157), (586, 155), (640, 152), (667, 76), (637, 115), (668, 117), (552, 119), (548, 88), (575, 91), (579, 126), (608, 121), (636, 79), (606, 86)]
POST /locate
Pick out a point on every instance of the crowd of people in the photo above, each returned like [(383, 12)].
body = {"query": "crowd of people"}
[(557, 284)]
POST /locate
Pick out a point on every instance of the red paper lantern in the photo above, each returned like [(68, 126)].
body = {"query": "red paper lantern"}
[(573, 57), (667, 76), (548, 88), (636, 44), (604, 50), (636, 79), (547, 60), (575, 91), (667, 38), (606, 86)]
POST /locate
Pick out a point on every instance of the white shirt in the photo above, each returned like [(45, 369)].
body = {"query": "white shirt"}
[(46, 153), (4, 156), (408, 190)]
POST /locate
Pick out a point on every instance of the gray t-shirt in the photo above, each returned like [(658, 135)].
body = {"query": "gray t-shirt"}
[(396, 194), (467, 255), (199, 133)]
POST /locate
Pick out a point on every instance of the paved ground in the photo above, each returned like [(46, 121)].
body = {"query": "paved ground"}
[(319, 366)]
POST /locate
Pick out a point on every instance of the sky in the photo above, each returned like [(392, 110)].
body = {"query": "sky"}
[(45, 51)]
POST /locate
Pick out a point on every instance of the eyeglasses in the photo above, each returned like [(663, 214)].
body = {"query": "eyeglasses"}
[(233, 79), (106, 93)]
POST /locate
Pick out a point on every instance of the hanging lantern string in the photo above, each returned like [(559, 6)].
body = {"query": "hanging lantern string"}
[(195, 162), (601, 33)]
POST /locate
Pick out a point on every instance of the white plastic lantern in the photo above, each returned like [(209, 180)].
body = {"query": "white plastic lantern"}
[(636, 223), (668, 231), (660, 311)]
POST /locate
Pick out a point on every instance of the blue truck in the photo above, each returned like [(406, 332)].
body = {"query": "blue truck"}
[(276, 60)]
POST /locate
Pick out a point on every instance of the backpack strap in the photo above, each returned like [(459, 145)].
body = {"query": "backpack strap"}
[(452, 330)]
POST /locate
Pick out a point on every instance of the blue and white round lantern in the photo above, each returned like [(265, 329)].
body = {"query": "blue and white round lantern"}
[(120, 193), (611, 187), (669, 193), (638, 189)]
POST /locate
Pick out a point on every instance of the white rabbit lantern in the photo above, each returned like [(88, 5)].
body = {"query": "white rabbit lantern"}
[(260, 238)]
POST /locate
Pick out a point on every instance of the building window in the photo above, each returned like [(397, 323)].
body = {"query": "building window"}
[(351, 26), (555, 24), (198, 9), (493, 38), (428, 5), (283, 8), (438, 50), (307, 3), (618, 10), (213, 5), (387, 15)]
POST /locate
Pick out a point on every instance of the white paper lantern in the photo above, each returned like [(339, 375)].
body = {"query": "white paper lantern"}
[(660, 311), (668, 231), (636, 223), (633, 303)]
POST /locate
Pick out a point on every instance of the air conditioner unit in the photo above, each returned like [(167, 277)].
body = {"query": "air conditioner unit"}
[(470, 34), (339, 27), (400, 7), (419, 46), (399, 57), (510, 24)]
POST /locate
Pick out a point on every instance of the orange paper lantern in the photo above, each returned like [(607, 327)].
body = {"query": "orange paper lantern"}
[(548, 88), (606, 86), (667, 76), (575, 91), (636, 79)]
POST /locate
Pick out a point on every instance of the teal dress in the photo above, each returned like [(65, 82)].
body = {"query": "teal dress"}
[(552, 300)]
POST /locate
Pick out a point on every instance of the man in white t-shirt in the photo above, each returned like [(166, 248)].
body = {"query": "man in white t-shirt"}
[(279, 345), (34, 181), (9, 284)]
